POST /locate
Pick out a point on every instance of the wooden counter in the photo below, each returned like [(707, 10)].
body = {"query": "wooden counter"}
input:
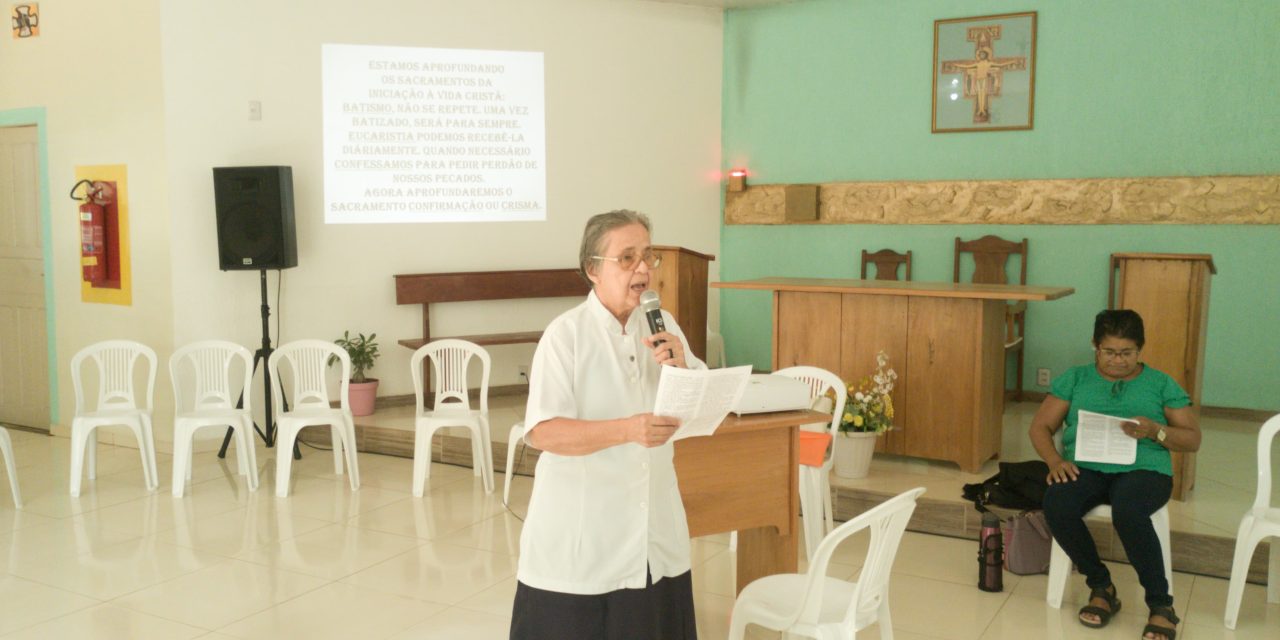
[(945, 340)]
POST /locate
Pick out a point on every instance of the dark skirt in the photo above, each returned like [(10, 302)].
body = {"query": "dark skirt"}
[(660, 611)]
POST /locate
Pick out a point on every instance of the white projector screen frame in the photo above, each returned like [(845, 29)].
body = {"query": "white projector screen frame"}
[(432, 135)]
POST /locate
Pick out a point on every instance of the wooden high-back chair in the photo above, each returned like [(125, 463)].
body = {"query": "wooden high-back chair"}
[(991, 260), (887, 262)]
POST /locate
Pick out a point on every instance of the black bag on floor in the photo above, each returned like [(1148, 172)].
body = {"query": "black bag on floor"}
[(1018, 485)]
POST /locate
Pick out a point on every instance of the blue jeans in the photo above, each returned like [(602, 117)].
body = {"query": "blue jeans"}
[(1133, 496)]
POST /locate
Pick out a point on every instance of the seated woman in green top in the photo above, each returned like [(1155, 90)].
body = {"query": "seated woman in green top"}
[(1117, 384)]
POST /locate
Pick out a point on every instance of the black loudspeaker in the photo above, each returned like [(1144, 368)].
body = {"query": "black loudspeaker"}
[(255, 218)]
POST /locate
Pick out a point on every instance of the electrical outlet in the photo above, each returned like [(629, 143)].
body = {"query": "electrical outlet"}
[(1042, 377), (523, 370)]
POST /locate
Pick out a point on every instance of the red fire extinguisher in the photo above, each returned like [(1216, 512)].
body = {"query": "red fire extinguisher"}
[(93, 231)]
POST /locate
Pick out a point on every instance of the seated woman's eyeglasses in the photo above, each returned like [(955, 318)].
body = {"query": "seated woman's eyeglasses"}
[(1123, 354), (630, 260)]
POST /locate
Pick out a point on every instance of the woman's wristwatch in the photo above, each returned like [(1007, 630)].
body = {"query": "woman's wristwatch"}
[(1161, 435)]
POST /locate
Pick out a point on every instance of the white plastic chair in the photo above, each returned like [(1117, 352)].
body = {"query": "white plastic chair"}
[(117, 405), (10, 465), (514, 438), (818, 515), (211, 403), (817, 606), (1262, 521), (308, 360), (1060, 563), (450, 360)]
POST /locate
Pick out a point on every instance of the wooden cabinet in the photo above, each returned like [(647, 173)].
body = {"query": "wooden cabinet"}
[(1171, 293), (870, 325), (954, 373), (681, 283), (809, 329), (945, 340)]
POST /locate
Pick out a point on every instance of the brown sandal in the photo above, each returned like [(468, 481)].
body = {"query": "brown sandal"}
[(1168, 614), (1107, 593)]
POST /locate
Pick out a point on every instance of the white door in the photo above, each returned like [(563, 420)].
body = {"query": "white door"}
[(24, 364)]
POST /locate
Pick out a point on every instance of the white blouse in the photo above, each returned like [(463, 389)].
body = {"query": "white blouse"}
[(597, 522)]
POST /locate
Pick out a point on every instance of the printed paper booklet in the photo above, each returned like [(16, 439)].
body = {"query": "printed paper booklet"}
[(700, 398), (1101, 438)]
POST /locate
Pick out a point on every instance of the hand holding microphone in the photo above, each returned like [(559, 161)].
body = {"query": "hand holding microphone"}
[(667, 349)]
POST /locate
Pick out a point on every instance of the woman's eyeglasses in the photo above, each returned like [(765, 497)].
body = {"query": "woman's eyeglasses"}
[(630, 260), (1123, 354)]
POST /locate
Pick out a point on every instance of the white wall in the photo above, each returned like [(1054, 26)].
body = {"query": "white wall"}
[(96, 70), (633, 121), (633, 104)]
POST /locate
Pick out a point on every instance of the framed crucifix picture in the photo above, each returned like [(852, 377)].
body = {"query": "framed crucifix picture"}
[(984, 73)]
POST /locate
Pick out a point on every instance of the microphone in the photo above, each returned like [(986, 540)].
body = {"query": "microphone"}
[(652, 309)]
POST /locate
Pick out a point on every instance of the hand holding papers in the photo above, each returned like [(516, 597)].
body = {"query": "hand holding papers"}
[(1101, 438), (700, 399)]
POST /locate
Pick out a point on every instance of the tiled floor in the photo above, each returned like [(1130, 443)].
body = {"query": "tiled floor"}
[(120, 562)]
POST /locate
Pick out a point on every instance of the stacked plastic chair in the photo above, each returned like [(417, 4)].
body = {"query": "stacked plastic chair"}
[(814, 605), (450, 360), (117, 404), (1261, 522), (6, 448), (308, 361), (212, 402)]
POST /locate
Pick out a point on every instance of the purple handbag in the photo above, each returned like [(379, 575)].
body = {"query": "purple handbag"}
[(1027, 543)]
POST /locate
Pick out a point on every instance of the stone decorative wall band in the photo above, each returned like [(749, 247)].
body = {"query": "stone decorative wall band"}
[(1186, 200)]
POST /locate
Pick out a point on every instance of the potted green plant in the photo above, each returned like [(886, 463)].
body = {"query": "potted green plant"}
[(363, 351), (868, 412)]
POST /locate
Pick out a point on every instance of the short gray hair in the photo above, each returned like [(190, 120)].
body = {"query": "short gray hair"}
[(598, 227)]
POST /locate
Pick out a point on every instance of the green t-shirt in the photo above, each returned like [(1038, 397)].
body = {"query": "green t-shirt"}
[(1149, 394)]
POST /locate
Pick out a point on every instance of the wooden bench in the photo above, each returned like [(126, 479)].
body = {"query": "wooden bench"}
[(430, 288), (681, 281)]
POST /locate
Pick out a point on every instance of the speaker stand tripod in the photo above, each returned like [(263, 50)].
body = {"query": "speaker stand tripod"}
[(268, 433)]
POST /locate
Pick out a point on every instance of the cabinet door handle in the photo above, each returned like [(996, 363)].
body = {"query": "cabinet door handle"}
[(930, 350)]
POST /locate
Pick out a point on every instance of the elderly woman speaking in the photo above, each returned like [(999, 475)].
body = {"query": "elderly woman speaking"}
[(605, 550)]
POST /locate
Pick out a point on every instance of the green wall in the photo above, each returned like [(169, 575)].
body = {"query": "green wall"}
[(837, 90)]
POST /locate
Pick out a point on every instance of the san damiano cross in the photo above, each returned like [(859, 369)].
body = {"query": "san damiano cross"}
[(984, 74)]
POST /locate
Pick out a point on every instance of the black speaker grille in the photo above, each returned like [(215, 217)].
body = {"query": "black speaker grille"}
[(255, 217)]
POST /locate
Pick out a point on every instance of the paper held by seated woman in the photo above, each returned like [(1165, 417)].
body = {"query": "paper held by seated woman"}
[(1101, 438)]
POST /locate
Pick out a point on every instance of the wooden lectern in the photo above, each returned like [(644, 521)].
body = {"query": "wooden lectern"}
[(681, 284), (1171, 293)]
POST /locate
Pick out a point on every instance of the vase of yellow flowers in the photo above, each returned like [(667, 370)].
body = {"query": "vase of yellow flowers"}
[(868, 412)]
